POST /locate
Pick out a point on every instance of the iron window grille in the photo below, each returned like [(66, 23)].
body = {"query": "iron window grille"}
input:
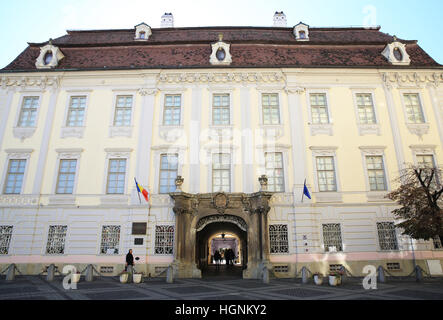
[(271, 109), (123, 111), (414, 111), (56, 239), (164, 239), (326, 174), (28, 112), (110, 240), (275, 171), (14, 178), (221, 172), (5, 239), (278, 238), (76, 112), (335, 267), (116, 176), (220, 109), (168, 172), (332, 237), (387, 236), (172, 110), (66, 176), (376, 173), (319, 108), (365, 105), (437, 241)]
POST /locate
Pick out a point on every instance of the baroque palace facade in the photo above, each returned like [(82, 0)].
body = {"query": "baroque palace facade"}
[(198, 116)]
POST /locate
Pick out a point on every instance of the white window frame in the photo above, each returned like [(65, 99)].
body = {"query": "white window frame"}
[(77, 132), (213, 92), (67, 154), (325, 152), (158, 151), (289, 238), (328, 105), (379, 249), (423, 150), (342, 233), (116, 153), (375, 151), (28, 94), (261, 150), (366, 128), (120, 250), (402, 92), (263, 91), (211, 169), (16, 154), (162, 107), (116, 94), (168, 224)]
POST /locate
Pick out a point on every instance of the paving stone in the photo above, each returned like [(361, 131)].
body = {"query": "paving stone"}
[(300, 292), (116, 295), (250, 284), (15, 290), (191, 290), (417, 294)]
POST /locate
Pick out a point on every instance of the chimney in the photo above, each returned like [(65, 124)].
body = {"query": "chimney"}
[(280, 19), (167, 21)]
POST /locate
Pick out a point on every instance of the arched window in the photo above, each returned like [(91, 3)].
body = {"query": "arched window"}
[(221, 54), (142, 35), (398, 54), (302, 35), (48, 57)]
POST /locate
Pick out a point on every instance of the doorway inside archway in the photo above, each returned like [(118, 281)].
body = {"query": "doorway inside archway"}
[(222, 237)]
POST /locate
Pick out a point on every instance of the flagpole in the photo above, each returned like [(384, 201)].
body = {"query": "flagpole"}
[(138, 193), (303, 193)]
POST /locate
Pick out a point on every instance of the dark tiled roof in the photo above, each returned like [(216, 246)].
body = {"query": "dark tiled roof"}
[(250, 47)]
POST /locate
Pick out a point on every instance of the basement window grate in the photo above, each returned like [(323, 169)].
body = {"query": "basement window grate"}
[(335, 267), (281, 269), (106, 269), (393, 266)]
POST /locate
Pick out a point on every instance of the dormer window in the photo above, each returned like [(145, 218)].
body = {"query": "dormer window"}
[(220, 53), (301, 32), (49, 57), (142, 32), (396, 54)]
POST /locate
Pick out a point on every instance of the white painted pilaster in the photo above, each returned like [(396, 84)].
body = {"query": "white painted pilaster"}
[(248, 180), (437, 112), (43, 155), (194, 141), (6, 96)]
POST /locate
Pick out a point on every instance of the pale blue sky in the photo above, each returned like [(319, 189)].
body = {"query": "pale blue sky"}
[(23, 21)]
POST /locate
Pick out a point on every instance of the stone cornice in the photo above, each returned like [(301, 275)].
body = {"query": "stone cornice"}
[(41, 82), (411, 79), (222, 77)]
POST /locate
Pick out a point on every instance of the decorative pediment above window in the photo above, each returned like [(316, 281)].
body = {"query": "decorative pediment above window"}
[(396, 53), (142, 32), (49, 57), (301, 32), (220, 53)]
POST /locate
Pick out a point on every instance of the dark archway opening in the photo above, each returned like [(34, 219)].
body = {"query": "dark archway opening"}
[(221, 236)]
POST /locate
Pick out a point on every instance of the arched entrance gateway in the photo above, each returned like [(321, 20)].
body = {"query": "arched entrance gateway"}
[(203, 219)]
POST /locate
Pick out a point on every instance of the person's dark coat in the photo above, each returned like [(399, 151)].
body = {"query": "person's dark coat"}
[(217, 256), (130, 259)]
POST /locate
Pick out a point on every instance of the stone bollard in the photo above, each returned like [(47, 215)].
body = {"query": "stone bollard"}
[(170, 275), (131, 272), (89, 273), (381, 275), (265, 275), (10, 275), (51, 273), (418, 274), (304, 275)]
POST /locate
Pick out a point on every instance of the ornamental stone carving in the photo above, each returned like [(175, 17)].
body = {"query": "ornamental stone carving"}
[(220, 202), (221, 218)]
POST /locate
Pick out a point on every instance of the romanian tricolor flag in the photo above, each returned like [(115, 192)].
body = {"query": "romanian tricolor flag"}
[(141, 190)]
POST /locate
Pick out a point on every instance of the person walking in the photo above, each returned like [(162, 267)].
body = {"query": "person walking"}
[(217, 258), (129, 260)]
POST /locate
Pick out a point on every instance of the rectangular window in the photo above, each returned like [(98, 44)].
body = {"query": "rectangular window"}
[(56, 240), (271, 112), (437, 241), (425, 161), (365, 107), (110, 240), (319, 108), (76, 112), (278, 238), (220, 109), (172, 110), (5, 239), (275, 171), (221, 172), (376, 173), (386, 236), (168, 172), (14, 177), (393, 266), (28, 112), (123, 111), (116, 176), (332, 237), (414, 111), (66, 176), (326, 174), (164, 239)]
